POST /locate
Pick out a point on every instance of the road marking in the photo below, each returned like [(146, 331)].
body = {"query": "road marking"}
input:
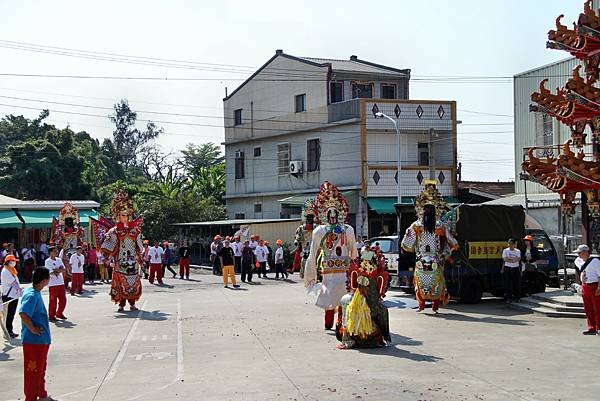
[(117, 362), (180, 365), (165, 337), (144, 338), (154, 355)]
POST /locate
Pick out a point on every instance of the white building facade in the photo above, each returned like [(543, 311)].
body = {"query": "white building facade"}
[(298, 121)]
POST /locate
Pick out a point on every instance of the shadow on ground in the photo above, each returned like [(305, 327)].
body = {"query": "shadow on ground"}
[(155, 315)]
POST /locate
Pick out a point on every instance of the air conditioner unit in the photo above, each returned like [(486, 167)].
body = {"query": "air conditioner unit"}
[(296, 167)]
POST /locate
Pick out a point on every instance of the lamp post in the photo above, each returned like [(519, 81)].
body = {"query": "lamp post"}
[(398, 170)]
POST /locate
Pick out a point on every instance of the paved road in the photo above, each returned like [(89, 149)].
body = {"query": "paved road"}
[(199, 341)]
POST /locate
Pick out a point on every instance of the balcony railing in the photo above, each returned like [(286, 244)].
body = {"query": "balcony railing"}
[(344, 110)]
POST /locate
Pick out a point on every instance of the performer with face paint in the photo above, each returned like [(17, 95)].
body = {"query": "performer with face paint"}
[(432, 243), (123, 243), (332, 250)]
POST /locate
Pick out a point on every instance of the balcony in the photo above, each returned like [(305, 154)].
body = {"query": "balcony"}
[(343, 110)]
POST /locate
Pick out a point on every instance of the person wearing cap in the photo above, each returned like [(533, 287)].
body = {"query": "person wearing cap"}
[(77, 261), (215, 248), (11, 290), (529, 255), (156, 253), (184, 260), (512, 271), (56, 285), (262, 257), (237, 246), (279, 260), (589, 275), (227, 262)]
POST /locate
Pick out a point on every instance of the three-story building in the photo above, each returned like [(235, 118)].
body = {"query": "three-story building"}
[(299, 121)]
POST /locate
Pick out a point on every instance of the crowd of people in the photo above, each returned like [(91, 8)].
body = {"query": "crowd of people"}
[(251, 256)]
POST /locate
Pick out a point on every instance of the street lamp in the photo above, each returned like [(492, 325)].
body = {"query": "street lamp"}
[(399, 169)]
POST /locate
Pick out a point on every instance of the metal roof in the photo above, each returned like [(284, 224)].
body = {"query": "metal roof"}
[(6, 202), (357, 65), (534, 200), (234, 222)]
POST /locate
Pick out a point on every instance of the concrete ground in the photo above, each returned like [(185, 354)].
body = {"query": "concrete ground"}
[(196, 340)]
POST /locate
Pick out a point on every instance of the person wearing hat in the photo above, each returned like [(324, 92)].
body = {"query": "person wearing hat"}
[(77, 261), (56, 285), (529, 255), (227, 262), (11, 290), (215, 248), (589, 275), (279, 260)]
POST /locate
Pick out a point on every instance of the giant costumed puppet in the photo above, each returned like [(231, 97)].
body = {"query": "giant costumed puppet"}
[(66, 235), (332, 251), (123, 243), (365, 321), (432, 242), (303, 236)]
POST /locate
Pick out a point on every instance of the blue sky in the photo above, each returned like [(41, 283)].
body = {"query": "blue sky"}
[(432, 38)]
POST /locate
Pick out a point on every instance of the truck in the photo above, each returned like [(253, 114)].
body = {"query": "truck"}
[(482, 232)]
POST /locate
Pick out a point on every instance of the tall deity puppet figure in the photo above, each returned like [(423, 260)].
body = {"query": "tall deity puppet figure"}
[(67, 235), (432, 242), (332, 250), (303, 236), (123, 243)]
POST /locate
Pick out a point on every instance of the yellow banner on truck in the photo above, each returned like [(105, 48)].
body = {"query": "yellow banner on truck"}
[(486, 249)]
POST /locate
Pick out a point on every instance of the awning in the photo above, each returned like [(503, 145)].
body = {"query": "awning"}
[(382, 205), (43, 218), (8, 219)]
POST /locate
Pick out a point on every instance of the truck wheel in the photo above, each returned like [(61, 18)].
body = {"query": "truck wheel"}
[(471, 291)]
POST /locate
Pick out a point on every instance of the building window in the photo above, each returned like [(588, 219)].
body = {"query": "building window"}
[(423, 152), (239, 216), (388, 91), (258, 208), (544, 135), (336, 92), (239, 165), (362, 91), (300, 103), (313, 155), (237, 117), (283, 158), (257, 151)]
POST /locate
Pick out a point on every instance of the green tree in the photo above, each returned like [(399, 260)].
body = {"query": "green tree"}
[(129, 142)]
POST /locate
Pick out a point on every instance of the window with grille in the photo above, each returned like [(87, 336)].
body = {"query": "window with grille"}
[(388, 91), (544, 135), (258, 208), (257, 151), (336, 92), (362, 91), (283, 158), (239, 165), (237, 117), (300, 103), (423, 153), (313, 155)]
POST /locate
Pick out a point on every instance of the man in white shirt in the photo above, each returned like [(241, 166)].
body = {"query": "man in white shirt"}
[(237, 246), (589, 275), (512, 271), (56, 286), (156, 253), (262, 256), (279, 260), (77, 261)]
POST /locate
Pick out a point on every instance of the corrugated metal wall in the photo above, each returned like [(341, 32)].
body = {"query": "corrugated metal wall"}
[(283, 230)]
